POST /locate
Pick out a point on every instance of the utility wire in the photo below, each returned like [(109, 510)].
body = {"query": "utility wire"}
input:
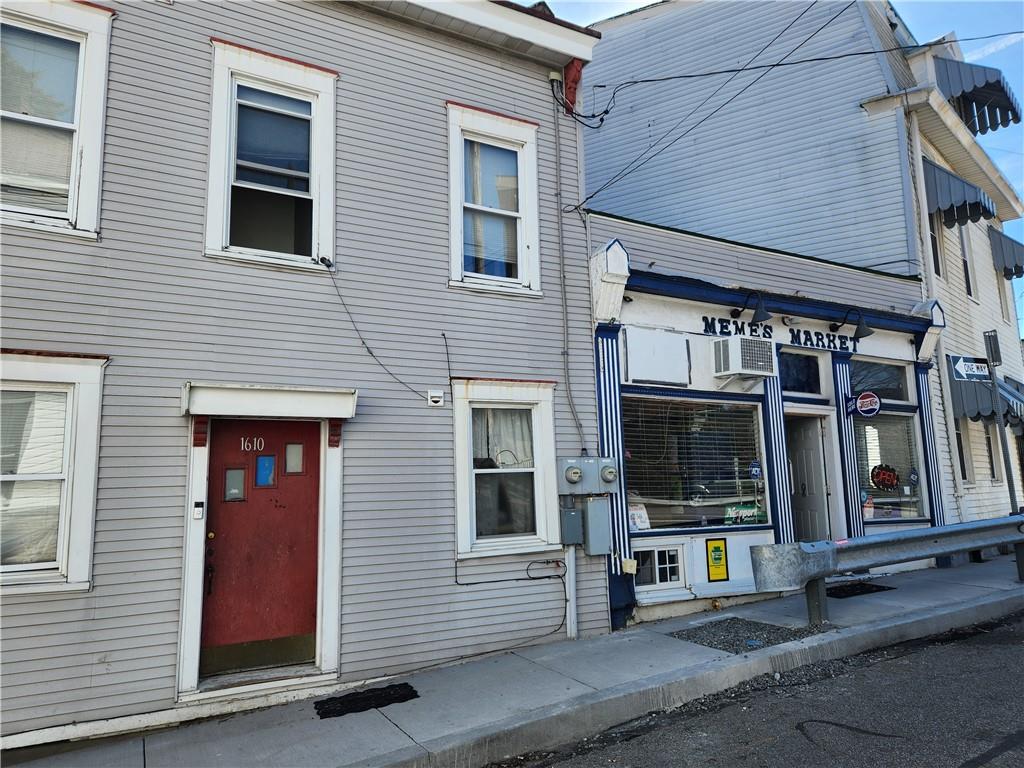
[(618, 87), (359, 334), (634, 165), (623, 172)]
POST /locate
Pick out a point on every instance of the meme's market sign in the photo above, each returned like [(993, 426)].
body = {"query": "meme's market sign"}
[(727, 326)]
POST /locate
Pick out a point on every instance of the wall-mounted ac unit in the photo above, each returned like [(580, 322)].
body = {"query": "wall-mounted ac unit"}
[(742, 356)]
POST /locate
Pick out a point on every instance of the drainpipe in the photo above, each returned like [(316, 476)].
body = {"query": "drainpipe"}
[(570, 592), (940, 349)]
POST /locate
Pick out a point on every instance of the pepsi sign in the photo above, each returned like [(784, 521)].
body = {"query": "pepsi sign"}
[(866, 404)]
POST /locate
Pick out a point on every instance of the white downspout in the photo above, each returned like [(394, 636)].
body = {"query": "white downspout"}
[(570, 593), (940, 350)]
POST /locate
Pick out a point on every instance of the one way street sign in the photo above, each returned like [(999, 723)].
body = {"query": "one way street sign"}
[(969, 368)]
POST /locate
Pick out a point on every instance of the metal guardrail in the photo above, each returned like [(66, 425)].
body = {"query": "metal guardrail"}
[(804, 565)]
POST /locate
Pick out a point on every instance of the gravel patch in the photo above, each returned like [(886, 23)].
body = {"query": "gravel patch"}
[(735, 635)]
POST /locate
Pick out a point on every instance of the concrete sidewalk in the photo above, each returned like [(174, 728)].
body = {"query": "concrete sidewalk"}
[(540, 697)]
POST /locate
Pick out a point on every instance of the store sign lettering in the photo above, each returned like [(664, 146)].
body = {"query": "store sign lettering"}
[(726, 326), (820, 340)]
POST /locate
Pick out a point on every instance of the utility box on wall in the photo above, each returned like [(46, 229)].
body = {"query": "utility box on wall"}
[(597, 526), (571, 515)]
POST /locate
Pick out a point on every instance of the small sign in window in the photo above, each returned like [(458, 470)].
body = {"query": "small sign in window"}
[(293, 459), (718, 560), (234, 484), (266, 471)]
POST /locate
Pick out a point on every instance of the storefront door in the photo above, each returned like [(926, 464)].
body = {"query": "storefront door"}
[(260, 566), (805, 445)]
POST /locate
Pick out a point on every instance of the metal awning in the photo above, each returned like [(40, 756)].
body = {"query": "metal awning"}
[(973, 400), (1007, 254), (959, 200), (980, 94)]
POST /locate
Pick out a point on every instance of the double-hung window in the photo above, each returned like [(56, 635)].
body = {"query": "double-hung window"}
[(49, 426), (271, 188), (54, 73), (494, 227), (504, 451)]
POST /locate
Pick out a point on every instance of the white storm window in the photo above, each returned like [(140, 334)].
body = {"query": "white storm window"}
[(504, 451), (52, 99), (494, 219), (272, 160), (658, 567), (49, 427)]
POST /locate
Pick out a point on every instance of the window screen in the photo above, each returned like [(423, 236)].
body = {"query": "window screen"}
[(889, 382), (491, 210), (887, 468), (799, 373), (690, 464), (37, 131), (271, 202), (33, 428)]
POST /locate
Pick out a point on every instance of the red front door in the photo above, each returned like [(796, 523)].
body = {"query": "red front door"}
[(259, 605)]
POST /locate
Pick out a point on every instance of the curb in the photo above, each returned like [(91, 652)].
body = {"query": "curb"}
[(592, 713)]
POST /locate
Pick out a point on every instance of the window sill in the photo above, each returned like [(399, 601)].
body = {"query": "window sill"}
[(263, 260), (43, 586), (531, 547), (506, 290), (43, 224)]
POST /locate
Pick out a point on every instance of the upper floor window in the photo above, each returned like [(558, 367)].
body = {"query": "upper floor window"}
[(49, 430), (494, 226), (54, 71), (271, 187), (965, 256), (935, 239)]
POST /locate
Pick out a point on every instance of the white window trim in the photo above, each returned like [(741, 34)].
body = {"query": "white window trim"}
[(509, 133), (233, 63), (993, 453), (663, 586), (935, 223), (91, 27), (84, 376), (967, 264), (1002, 288), (539, 396)]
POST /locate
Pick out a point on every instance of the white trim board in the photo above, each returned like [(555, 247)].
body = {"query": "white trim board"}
[(201, 398)]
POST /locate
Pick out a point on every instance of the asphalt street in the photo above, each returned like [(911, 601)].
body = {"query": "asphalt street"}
[(951, 701)]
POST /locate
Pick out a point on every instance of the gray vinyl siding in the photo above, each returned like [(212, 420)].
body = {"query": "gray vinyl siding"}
[(660, 250), (793, 162), (146, 296)]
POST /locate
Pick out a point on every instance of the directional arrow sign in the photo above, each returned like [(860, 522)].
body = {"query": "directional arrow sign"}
[(969, 368)]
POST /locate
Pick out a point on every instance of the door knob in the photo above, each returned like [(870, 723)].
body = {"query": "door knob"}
[(210, 535)]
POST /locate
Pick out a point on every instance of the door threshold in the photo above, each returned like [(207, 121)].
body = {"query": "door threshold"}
[(259, 681)]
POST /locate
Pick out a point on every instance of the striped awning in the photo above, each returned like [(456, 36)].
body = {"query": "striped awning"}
[(973, 400), (1007, 254), (958, 200), (980, 94)]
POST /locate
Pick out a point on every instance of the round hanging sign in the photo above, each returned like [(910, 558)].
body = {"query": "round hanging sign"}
[(868, 404), (884, 477)]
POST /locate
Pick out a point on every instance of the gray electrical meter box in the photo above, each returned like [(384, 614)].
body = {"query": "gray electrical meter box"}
[(587, 476), (597, 526)]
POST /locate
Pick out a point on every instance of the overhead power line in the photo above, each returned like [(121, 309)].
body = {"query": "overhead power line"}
[(619, 87), (637, 163)]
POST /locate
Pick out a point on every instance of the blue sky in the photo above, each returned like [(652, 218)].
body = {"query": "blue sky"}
[(928, 20)]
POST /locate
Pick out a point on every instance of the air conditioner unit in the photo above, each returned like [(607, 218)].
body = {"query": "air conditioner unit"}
[(741, 356)]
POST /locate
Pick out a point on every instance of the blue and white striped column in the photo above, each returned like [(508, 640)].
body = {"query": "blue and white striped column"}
[(933, 480), (609, 412), (777, 471), (847, 445)]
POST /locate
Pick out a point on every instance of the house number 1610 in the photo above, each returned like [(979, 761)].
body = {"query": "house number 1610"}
[(252, 443)]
